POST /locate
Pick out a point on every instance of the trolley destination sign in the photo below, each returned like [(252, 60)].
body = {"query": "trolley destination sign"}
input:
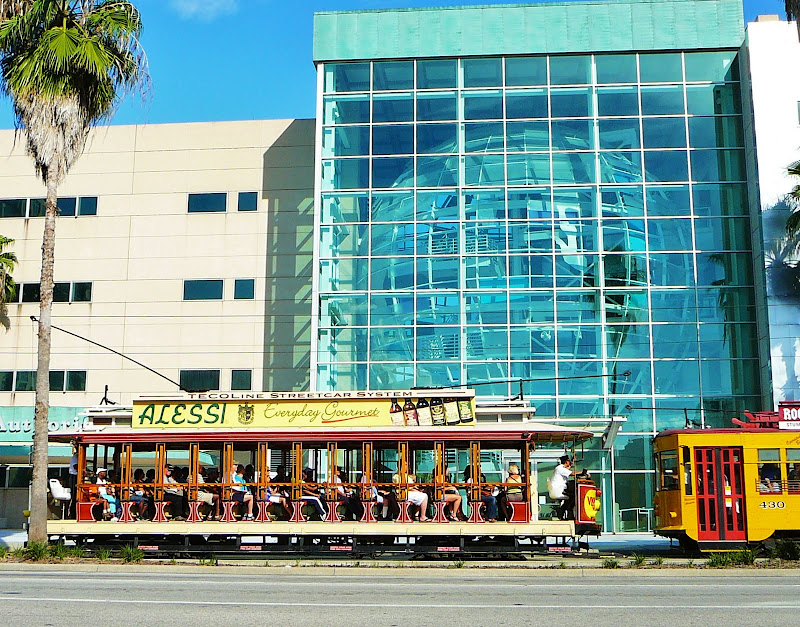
[(301, 409)]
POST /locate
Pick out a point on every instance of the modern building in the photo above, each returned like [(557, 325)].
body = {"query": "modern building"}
[(555, 203)]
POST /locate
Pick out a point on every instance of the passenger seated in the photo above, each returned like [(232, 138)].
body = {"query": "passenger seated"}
[(240, 493), (174, 495), (205, 495), (111, 506), (353, 506), (487, 498), (310, 493), (137, 494), (558, 487), (418, 499), (770, 475), (452, 499), (275, 496), (385, 497)]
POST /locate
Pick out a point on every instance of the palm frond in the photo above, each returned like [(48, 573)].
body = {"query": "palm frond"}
[(792, 8)]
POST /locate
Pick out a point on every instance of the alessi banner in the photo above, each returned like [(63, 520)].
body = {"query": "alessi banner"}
[(299, 409)]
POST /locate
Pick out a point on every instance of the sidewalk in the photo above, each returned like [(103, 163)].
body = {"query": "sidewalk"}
[(13, 538)]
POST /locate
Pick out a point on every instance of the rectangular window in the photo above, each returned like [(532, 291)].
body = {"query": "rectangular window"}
[(668, 470), (76, 381), (248, 201), (241, 379), (6, 382), (210, 289), (207, 203), (87, 206), (37, 208), (67, 206), (12, 208), (31, 293), (61, 293), (26, 381), (792, 468), (199, 380), (82, 292), (57, 380), (769, 471), (244, 289)]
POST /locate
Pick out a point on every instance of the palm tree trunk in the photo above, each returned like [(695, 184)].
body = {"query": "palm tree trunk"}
[(37, 531)]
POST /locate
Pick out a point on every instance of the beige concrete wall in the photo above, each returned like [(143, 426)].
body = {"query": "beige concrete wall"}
[(142, 245)]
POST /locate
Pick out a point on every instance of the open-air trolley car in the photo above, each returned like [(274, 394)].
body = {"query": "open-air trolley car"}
[(174, 463)]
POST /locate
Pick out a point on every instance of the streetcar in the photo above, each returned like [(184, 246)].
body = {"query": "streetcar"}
[(246, 473), (720, 489)]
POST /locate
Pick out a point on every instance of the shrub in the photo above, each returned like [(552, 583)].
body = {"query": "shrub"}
[(787, 550), (18, 553), (36, 551), (610, 562), (103, 554), (3, 552), (745, 557), (638, 560), (58, 551), (75, 551), (131, 554), (658, 562)]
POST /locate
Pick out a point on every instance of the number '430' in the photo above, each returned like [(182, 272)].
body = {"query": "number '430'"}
[(772, 505)]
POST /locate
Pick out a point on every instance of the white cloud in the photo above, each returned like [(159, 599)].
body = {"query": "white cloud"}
[(204, 10)]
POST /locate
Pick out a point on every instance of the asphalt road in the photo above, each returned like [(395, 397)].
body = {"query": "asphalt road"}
[(304, 596)]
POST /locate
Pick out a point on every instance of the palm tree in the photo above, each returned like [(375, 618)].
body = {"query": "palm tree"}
[(793, 200), (65, 64), (793, 13), (8, 289)]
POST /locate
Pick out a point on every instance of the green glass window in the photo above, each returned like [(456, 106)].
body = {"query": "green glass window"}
[(67, 206), (574, 167), (484, 137), (87, 206), (727, 377), (670, 200), (391, 274), (391, 310), (570, 70), (625, 270), (582, 386), (439, 373), (577, 270), (526, 71), (199, 380), (346, 77), (207, 203), (345, 141), (392, 207), (57, 380), (533, 342), (526, 271), (37, 208), (483, 72), (619, 134), (437, 138), (347, 241), (621, 167), (480, 105), (439, 205), (712, 66), (532, 169), (393, 171), (485, 237), (728, 341), (615, 68), (202, 289), (392, 76), (672, 269), (438, 308), (574, 203), (345, 109), (61, 292), (244, 289), (661, 68), (484, 170), (241, 379), (724, 269), (670, 234), (676, 377), (719, 99), (530, 237), (666, 166), (342, 344), (76, 381), (394, 139), (437, 238), (664, 132), (437, 171), (391, 344), (722, 234), (433, 107), (392, 239), (486, 307), (531, 103), (621, 202), (716, 132), (342, 376), (673, 306), (529, 204), (438, 343), (490, 343), (578, 235), (623, 235), (617, 101), (626, 306), (12, 208), (344, 208), (570, 103), (531, 307), (722, 304), (340, 311), (25, 381), (720, 200), (662, 100), (393, 107), (82, 292), (527, 136), (573, 134), (577, 307), (31, 293), (437, 74), (485, 205), (6, 380), (248, 201), (718, 165)]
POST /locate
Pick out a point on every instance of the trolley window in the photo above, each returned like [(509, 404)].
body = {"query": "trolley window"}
[(668, 470), (687, 470), (793, 470), (769, 470)]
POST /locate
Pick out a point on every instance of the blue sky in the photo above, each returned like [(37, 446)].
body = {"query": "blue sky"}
[(245, 59)]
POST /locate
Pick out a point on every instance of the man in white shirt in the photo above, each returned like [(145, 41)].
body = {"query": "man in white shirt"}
[(558, 483)]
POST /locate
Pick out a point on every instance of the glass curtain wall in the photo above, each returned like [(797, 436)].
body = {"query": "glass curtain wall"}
[(486, 219)]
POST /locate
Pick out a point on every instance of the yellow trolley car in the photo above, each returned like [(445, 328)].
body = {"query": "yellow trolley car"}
[(727, 488), (296, 448)]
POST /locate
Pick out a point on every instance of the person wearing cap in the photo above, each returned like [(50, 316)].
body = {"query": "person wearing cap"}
[(310, 494), (174, 495), (109, 495)]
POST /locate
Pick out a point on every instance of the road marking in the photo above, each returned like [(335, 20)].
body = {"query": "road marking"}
[(471, 606)]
